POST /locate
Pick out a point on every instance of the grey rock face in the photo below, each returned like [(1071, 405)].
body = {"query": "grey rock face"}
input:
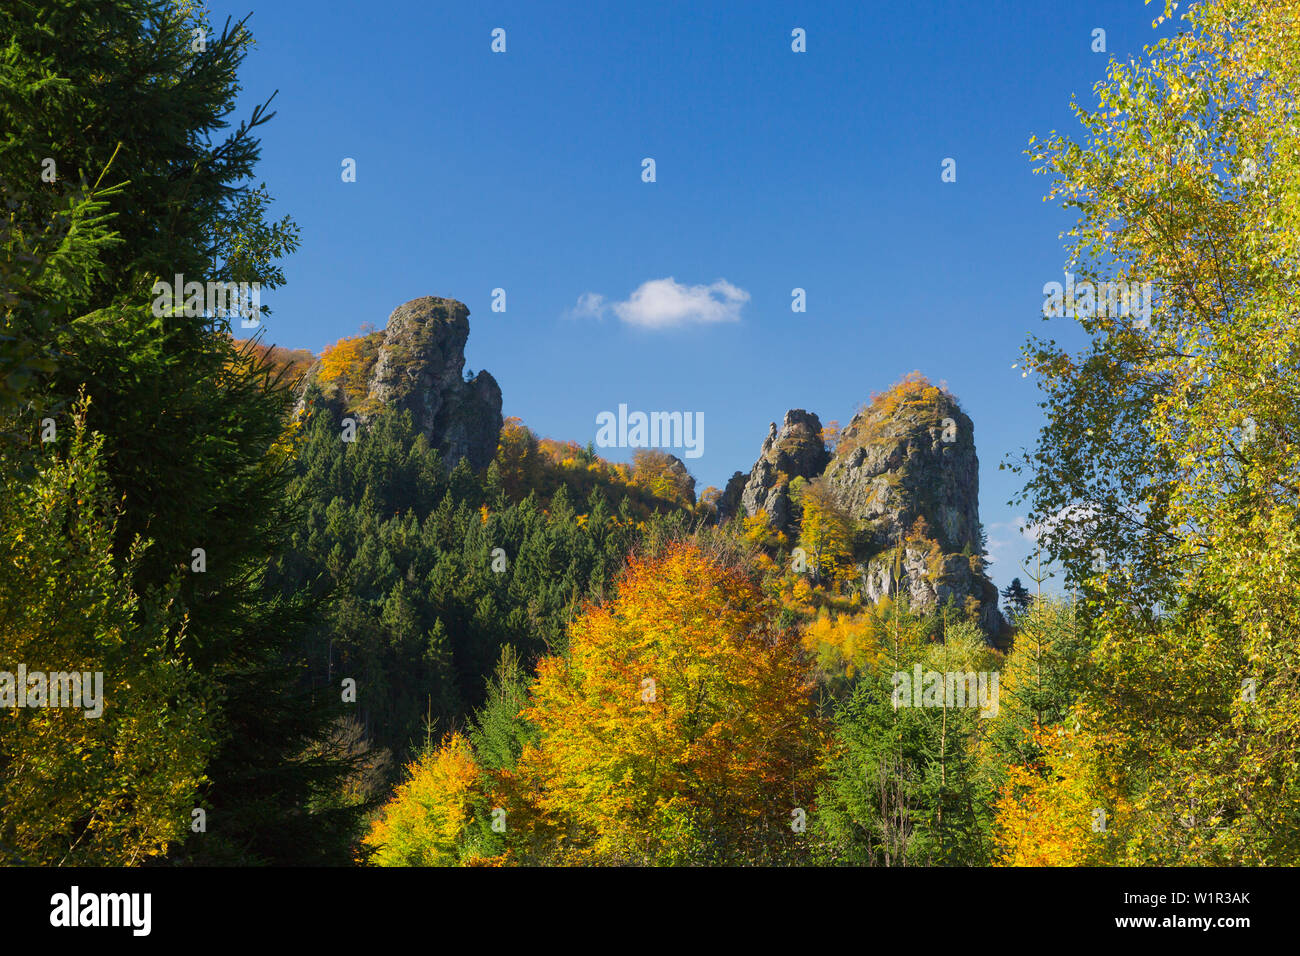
[(795, 451), (914, 462), (421, 368), (906, 472), (909, 467), (932, 579), (729, 501), (683, 476)]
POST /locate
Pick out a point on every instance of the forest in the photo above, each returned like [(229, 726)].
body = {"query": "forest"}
[(324, 642)]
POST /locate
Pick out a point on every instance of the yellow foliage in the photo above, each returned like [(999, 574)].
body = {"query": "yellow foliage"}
[(338, 359), (913, 391), (1060, 811), (756, 531), (348, 363), (679, 710), (105, 772), (543, 465), (423, 823), (853, 640), (826, 531)]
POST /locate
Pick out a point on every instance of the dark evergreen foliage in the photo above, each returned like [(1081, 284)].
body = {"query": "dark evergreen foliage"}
[(421, 603)]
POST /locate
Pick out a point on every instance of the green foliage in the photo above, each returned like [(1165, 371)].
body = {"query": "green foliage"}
[(906, 785), (117, 787), (86, 83), (422, 604), (1017, 598), (1042, 678), (499, 731), (132, 116), (1164, 478)]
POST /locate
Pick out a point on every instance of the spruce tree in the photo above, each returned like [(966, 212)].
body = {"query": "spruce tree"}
[(1016, 597), (128, 104)]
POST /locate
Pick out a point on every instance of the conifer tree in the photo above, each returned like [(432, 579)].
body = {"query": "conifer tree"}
[(127, 103)]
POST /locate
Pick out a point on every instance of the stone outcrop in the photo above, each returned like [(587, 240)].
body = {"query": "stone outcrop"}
[(899, 461), (934, 579), (905, 471), (905, 468), (420, 368), (796, 450), (729, 501), (682, 477)]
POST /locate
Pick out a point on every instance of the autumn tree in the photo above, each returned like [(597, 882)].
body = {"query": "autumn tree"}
[(1164, 478), (663, 476), (426, 820), (831, 435), (110, 777), (679, 727), (1062, 808), (848, 642), (826, 529), (347, 365)]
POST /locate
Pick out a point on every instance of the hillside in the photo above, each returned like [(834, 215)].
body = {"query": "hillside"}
[(904, 471)]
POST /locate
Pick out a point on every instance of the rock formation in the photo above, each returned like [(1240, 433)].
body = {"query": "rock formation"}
[(682, 477), (729, 501), (908, 457), (417, 364), (421, 368), (797, 450), (905, 471)]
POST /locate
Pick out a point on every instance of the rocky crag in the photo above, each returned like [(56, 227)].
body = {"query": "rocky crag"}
[(421, 367), (905, 472), (796, 450), (417, 363)]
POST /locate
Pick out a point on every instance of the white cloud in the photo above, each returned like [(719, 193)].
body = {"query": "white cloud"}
[(667, 303), (590, 305)]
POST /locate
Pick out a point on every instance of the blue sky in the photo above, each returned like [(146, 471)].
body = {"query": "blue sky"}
[(774, 170)]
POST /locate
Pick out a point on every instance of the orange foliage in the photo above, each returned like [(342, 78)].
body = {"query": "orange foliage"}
[(853, 642), (681, 711), (291, 362), (831, 434), (348, 364), (1048, 812), (528, 463), (913, 390), (653, 471)]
